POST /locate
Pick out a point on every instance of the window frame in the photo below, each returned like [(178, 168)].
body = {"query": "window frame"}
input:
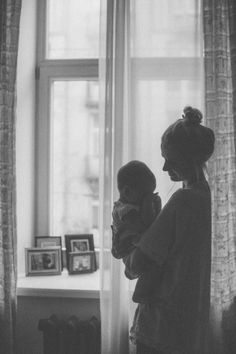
[(47, 71)]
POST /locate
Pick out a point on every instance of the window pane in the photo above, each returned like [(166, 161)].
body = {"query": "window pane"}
[(170, 29), (74, 158), (161, 103), (72, 29)]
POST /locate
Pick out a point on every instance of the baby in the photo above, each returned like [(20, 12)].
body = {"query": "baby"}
[(136, 208)]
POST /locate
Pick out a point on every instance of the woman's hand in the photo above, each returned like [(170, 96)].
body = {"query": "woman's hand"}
[(137, 263), (150, 207)]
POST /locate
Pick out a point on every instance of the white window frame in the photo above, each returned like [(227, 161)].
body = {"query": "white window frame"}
[(46, 72), (148, 68)]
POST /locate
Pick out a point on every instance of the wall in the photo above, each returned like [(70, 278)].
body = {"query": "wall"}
[(25, 129), (32, 309)]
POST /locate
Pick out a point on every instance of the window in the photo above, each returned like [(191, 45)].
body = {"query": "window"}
[(167, 62), (67, 118)]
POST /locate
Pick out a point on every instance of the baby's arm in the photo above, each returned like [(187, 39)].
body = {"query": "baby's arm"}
[(123, 240)]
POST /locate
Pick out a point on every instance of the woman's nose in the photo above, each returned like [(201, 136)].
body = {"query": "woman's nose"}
[(165, 166)]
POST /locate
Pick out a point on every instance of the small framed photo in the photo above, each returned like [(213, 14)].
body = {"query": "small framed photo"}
[(81, 262), (78, 243), (47, 241), (43, 261)]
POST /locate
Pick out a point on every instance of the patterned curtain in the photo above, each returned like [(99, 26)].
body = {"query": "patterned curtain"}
[(220, 70), (9, 32)]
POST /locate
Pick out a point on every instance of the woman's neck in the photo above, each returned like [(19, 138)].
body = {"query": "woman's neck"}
[(197, 177)]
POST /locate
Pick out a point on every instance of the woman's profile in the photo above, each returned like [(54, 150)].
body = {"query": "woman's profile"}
[(174, 319)]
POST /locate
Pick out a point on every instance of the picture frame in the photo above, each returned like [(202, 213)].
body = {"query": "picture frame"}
[(81, 262), (43, 261), (78, 243), (47, 241)]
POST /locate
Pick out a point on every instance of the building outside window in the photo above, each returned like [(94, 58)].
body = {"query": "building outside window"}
[(68, 127), (67, 121)]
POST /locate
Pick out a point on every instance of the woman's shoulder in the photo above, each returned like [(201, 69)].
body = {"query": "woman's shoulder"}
[(180, 195), (196, 196)]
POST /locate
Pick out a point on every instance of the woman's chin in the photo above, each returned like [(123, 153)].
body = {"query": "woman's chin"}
[(175, 178)]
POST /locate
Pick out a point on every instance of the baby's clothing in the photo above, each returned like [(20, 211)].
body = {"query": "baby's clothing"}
[(127, 227)]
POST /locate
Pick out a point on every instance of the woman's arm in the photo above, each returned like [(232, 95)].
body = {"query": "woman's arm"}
[(154, 244), (136, 263)]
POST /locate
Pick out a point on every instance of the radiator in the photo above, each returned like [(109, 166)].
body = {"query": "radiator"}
[(70, 336)]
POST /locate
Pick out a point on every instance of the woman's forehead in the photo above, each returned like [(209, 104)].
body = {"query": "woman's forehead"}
[(170, 153)]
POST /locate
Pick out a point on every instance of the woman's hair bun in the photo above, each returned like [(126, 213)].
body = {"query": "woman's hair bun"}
[(192, 116), (189, 137)]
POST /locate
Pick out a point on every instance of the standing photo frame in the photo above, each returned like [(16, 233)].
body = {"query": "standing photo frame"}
[(81, 262), (78, 243), (43, 261), (47, 241)]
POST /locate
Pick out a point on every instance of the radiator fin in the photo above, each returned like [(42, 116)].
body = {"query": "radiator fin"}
[(70, 336)]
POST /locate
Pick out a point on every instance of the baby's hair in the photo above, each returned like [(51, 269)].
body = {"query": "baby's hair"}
[(136, 175)]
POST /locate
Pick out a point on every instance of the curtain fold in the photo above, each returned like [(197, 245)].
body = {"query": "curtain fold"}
[(150, 67), (9, 33), (220, 73), (115, 152)]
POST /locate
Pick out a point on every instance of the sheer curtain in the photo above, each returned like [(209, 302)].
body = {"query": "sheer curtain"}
[(9, 33), (220, 64), (150, 68)]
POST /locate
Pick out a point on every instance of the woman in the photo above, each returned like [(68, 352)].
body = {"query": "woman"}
[(174, 318)]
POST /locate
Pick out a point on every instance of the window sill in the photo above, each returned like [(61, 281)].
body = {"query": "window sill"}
[(84, 286)]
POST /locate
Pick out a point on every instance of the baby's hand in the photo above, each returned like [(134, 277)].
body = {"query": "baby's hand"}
[(148, 198), (147, 208), (156, 203)]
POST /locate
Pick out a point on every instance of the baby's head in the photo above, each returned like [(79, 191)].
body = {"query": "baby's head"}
[(134, 180)]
